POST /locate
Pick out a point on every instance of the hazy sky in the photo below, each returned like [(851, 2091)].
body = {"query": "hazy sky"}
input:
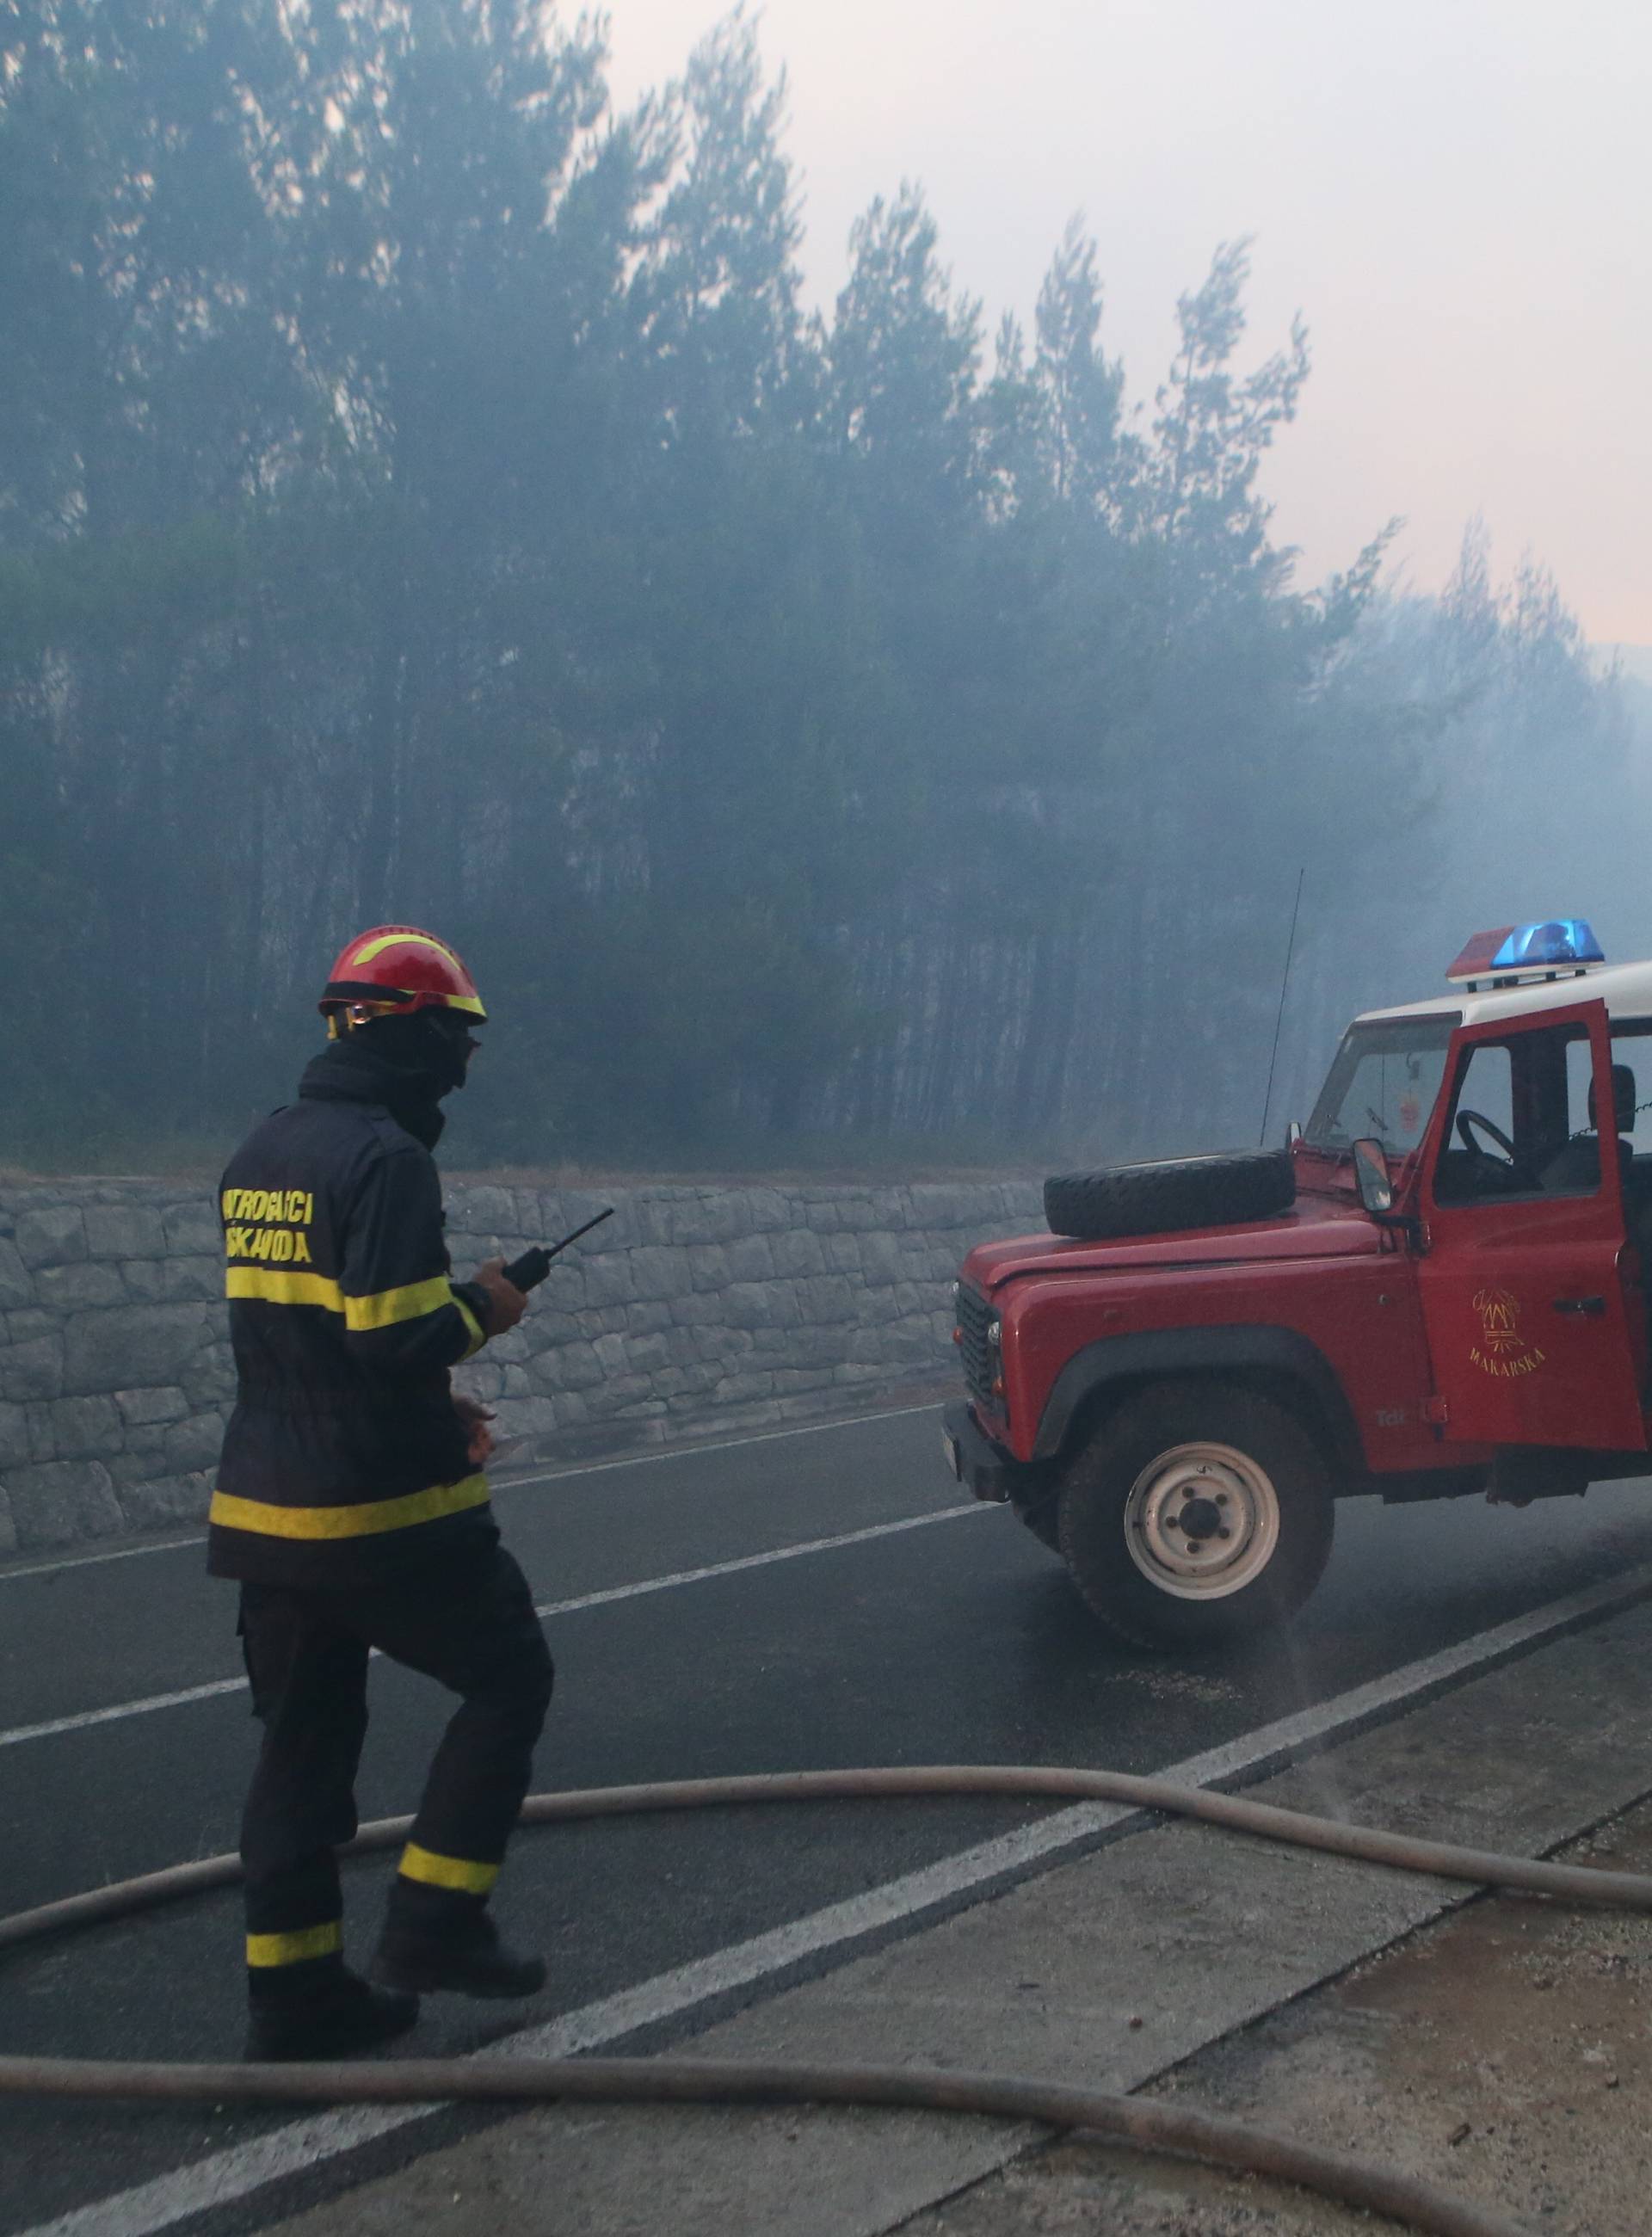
[(1457, 193)]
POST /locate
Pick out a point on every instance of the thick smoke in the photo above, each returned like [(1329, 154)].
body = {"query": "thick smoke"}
[(424, 497)]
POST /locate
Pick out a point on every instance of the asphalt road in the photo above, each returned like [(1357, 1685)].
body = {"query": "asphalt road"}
[(956, 1639)]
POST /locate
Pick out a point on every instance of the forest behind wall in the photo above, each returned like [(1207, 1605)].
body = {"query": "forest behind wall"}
[(425, 495)]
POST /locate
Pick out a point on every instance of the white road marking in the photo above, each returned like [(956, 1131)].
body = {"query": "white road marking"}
[(685, 1450), (145, 1707), (90, 1561), (152, 1702), (243, 2168), (762, 1561)]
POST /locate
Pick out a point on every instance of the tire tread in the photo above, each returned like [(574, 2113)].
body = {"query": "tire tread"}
[(1157, 1199)]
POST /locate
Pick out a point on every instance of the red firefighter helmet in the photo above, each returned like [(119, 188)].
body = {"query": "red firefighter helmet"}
[(395, 969)]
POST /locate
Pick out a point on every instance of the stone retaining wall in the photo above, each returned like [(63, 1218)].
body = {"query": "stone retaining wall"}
[(756, 1305)]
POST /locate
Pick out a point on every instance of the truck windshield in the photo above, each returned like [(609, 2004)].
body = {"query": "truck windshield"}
[(1383, 1083)]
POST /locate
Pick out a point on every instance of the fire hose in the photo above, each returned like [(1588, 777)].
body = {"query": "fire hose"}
[(1236, 2146)]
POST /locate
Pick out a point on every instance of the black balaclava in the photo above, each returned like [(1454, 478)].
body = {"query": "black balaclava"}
[(407, 1064)]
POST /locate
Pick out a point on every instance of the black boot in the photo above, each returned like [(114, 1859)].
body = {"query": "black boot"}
[(343, 2017), (461, 1952)]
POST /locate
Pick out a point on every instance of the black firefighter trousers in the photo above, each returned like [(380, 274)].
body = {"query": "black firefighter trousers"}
[(307, 1659)]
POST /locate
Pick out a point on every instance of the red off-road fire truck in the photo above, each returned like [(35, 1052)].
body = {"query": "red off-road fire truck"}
[(1435, 1290)]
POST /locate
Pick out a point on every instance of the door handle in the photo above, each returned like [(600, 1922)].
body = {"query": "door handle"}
[(1593, 1307)]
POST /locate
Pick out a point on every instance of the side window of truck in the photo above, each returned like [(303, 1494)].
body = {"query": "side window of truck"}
[(1523, 1121), (1472, 1168), (1574, 1168), (1631, 1120), (1632, 1053)]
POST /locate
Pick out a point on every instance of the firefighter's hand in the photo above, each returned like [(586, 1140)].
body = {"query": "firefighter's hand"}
[(506, 1303), (476, 1418)]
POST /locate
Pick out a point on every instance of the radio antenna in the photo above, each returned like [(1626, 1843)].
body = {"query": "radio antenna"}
[(1285, 985)]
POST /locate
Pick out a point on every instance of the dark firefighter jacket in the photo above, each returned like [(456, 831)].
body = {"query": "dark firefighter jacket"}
[(344, 1462)]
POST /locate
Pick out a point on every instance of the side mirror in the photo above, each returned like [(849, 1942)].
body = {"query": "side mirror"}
[(1373, 1178)]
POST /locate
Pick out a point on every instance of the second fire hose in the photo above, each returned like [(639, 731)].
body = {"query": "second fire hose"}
[(1234, 2145)]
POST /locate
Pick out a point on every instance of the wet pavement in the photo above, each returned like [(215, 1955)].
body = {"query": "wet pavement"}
[(704, 1641)]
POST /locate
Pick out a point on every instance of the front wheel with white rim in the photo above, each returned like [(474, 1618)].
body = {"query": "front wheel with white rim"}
[(1196, 1515)]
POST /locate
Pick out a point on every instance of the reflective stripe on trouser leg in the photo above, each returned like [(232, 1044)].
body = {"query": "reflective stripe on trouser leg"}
[(458, 1875), (294, 1930), (268, 1952), (290, 1964), (309, 1688), (486, 1646)]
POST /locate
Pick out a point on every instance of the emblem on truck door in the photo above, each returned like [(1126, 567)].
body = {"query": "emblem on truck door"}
[(1503, 1350)]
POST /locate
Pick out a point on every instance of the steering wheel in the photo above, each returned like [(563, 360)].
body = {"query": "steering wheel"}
[(1467, 1120)]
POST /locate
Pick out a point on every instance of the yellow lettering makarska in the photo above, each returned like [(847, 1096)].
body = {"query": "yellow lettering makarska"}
[(1526, 1362), (1503, 1351)]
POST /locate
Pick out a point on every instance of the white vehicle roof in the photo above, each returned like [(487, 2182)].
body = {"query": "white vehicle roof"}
[(1626, 989)]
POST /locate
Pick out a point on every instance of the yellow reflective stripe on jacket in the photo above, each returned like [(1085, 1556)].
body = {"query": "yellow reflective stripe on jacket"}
[(384, 1307), (478, 1334), (275, 1285), (365, 1520), (294, 1949), (456, 1872)]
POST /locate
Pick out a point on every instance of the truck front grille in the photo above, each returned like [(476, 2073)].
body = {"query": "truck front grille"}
[(979, 1360)]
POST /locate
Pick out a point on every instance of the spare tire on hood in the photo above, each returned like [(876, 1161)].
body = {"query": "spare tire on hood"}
[(1171, 1193)]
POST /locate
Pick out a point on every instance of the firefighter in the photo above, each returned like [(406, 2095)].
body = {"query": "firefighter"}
[(352, 1508)]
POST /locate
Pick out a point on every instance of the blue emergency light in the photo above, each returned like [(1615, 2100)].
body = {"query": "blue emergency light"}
[(1515, 951)]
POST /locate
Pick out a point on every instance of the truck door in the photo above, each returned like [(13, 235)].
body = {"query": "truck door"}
[(1537, 1331)]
